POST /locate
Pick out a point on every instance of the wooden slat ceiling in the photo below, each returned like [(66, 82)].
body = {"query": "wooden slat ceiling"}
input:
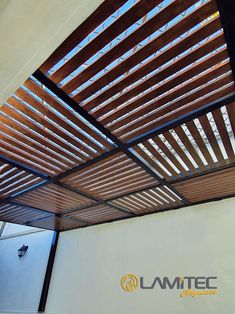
[(110, 177), (14, 180), (134, 113)]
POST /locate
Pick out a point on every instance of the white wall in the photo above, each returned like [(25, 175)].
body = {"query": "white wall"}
[(21, 280), (30, 30), (197, 240), (14, 229)]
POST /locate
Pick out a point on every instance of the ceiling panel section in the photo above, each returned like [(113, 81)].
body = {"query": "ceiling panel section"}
[(110, 177)]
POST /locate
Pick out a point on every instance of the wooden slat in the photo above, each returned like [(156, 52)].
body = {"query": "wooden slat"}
[(194, 70), (214, 185), (30, 145), (14, 180), (13, 153), (37, 90), (148, 201), (169, 137), (46, 115), (46, 135), (199, 141), (58, 193), (100, 168), (168, 202), (39, 142), (106, 9), (169, 155), (175, 115), (96, 214), (164, 16), (57, 223), (211, 138), (4, 168), (171, 195), (29, 183), (200, 82), (115, 174), (28, 152), (7, 173), (190, 148), (161, 75), (108, 178), (53, 199), (151, 162), (193, 143), (41, 125), (40, 130), (159, 20), (219, 121), (154, 63), (160, 158), (19, 214), (140, 9), (155, 198), (119, 187)]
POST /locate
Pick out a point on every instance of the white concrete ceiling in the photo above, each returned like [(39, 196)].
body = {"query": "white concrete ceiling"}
[(30, 30)]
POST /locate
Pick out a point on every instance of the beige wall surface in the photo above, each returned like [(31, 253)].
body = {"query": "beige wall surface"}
[(30, 30), (194, 241)]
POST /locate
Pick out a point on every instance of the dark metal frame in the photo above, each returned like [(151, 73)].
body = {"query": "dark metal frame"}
[(161, 210), (47, 278), (183, 119), (227, 18), (2, 228), (123, 147), (43, 79)]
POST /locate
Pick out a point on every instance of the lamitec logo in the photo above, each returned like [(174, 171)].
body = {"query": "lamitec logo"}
[(185, 284), (129, 282)]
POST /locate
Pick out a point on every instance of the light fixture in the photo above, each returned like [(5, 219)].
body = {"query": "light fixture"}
[(22, 251)]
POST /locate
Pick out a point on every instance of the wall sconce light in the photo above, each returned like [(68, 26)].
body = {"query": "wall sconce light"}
[(22, 251)]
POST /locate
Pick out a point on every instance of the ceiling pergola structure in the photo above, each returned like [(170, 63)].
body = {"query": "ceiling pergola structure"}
[(133, 114)]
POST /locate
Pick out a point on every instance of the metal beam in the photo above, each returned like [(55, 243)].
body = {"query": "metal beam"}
[(33, 188), (195, 114), (227, 17), (22, 167), (35, 209), (2, 228), (10, 200), (203, 173), (125, 148), (31, 222), (183, 119), (70, 188), (99, 201), (153, 174), (161, 210), (86, 164), (62, 215), (47, 279), (186, 178), (108, 201), (43, 79), (55, 180)]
